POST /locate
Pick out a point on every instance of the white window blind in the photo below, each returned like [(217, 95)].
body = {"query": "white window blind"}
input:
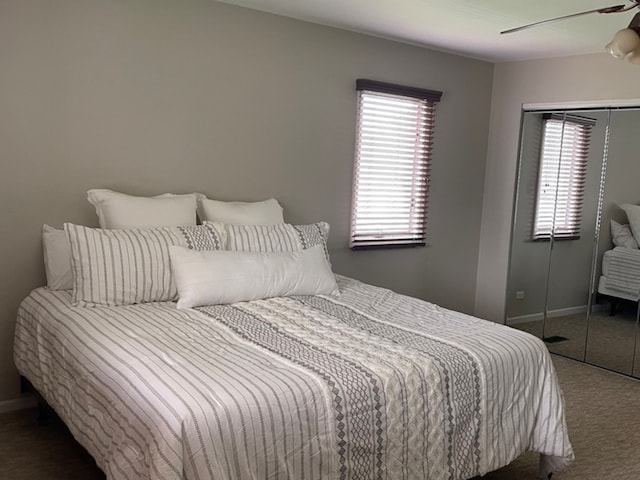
[(562, 176), (391, 171)]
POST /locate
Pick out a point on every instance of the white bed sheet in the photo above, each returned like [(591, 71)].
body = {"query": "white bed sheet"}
[(368, 384)]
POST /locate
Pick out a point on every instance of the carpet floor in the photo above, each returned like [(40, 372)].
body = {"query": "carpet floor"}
[(610, 342), (603, 414)]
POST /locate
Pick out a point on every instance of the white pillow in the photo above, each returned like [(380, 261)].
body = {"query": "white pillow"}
[(127, 266), (57, 258), (119, 210), (633, 215), (222, 277), (267, 212), (622, 236), (273, 238)]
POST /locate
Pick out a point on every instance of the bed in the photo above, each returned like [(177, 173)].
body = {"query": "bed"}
[(367, 384), (230, 351), (620, 277)]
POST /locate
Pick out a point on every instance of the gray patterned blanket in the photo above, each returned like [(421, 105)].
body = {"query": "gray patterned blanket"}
[(365, 385)]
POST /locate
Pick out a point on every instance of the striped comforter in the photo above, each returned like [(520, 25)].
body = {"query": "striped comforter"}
[(366, 385)]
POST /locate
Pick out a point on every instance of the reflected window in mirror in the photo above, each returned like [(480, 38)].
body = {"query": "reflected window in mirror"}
[(562, 176)]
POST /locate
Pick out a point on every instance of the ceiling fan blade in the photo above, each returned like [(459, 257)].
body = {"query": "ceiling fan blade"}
[(613, 9)]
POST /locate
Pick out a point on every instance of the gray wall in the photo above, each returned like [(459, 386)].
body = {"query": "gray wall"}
[(585, 79), (150, 96)]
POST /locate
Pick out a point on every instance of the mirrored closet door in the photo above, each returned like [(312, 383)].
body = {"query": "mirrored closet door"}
[(613, 321), (571, 178)]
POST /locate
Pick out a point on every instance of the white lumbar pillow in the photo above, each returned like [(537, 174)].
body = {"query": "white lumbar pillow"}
[(222, 277), (118, 210), (622, 236), (633, 215), (57, 258), (267, 212)]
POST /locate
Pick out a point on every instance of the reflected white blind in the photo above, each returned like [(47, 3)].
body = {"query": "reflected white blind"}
[(562, 177), (391, 173)]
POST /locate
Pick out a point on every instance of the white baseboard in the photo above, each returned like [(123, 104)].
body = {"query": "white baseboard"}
[(561, 312), (532, 317), (20, 403)]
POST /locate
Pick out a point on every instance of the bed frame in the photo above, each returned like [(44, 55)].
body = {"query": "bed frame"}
[(614, 302), (47, 416), (45, 413)]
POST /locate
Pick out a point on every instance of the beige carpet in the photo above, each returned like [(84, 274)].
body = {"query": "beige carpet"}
[(610, 342), (603, 411)]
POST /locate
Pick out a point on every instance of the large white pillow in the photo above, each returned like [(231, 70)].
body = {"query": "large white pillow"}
[(274, 238), (267, 212), (222, 277), (57, 258), (119, 210), (633, 215), (127, 266), (622, 236)]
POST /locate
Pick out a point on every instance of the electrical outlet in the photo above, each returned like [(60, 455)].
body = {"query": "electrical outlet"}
[(519, 295)]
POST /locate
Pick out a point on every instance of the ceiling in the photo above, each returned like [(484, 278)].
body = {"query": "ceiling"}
[(467, 27)]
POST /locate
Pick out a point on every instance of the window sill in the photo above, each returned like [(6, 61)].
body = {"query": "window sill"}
[(555, 239), (384, 246)]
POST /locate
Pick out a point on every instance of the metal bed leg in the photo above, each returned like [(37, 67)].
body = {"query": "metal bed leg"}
[(614, 307)]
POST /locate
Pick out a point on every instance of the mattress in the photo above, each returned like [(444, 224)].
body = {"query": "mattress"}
[(620, 273), (604, 290), (369, 384), (606, 262)]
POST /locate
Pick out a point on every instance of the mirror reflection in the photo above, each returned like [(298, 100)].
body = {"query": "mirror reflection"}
[(612, 324), (526, 291), (575, 232), (574, 277)]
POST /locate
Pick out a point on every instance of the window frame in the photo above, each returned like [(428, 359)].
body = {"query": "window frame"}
[(414, 211)]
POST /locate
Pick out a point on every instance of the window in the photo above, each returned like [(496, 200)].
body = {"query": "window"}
[(391, 170), (562, 176)]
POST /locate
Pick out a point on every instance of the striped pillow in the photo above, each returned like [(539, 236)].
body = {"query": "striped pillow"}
[(280, 237), (124, 267)]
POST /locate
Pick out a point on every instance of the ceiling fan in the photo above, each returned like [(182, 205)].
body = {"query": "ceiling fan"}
[(625, 43), (612, 9)]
